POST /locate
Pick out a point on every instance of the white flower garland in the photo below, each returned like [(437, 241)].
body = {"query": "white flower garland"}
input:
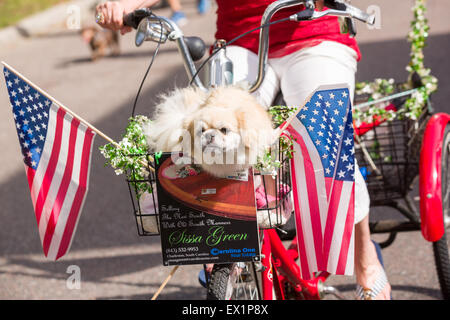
[(416, 103)]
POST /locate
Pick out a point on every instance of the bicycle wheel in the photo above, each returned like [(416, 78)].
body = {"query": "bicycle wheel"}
[(440, 247), (236, 281)]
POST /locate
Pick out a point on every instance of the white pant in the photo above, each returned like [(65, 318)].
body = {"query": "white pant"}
[(297, 75)]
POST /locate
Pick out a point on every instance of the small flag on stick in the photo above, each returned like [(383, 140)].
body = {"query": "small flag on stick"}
[(56, 147), (323, 180)]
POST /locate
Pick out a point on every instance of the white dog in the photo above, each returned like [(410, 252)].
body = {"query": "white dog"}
[(224, 130)]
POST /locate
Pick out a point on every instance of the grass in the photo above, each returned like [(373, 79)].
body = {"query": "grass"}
[(12, 11)]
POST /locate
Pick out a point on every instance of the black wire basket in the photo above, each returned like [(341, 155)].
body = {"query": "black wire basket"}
[(274, 196), (388, 153), (143, 196), (272, 191)]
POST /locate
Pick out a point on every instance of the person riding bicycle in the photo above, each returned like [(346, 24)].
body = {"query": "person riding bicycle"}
[(301, 58)]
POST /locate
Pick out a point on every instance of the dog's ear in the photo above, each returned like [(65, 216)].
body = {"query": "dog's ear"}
[(248, 133), (194, 97)]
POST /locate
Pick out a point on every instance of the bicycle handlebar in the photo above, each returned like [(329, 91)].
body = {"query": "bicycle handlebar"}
[(159, 29)]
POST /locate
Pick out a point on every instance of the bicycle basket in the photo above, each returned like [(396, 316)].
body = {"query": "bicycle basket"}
[(273, 192), (388, 153)]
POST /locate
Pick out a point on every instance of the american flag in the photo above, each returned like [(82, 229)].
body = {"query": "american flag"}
[(323, 182), (56, 149)]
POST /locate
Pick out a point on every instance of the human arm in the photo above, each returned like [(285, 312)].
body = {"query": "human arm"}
[(112, 12)]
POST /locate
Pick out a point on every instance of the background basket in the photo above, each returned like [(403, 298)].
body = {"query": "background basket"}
[(388, 156)]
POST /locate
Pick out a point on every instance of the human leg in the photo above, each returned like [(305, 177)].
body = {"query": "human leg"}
[(178, 15)]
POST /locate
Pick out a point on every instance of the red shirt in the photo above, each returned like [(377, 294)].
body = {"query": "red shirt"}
[(235, 17)]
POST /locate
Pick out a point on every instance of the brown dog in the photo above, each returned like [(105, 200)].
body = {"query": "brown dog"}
[(100, 40)]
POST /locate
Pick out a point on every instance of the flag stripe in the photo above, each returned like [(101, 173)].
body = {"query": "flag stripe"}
[(59, 169), (311, 191), (79, 197), (50, 169), (318, 172), (339, 206), (45, 158), (304, 214), (304, 266), (344, 257), (64, 185), (70, 195)]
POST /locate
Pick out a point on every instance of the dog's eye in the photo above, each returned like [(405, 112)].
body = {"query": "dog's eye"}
[(224, 130)]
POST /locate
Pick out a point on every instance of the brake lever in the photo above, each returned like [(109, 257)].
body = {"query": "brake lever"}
[(351, 27)]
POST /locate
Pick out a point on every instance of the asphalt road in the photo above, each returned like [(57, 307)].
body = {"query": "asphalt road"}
[(116, 263)]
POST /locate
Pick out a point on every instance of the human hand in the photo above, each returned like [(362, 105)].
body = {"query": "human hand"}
[(110, 15)]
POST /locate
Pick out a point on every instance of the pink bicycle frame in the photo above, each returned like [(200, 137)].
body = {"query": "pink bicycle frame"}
[(280, 268)]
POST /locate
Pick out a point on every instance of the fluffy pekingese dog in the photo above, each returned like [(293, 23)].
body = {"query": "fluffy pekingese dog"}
[(223, 130)]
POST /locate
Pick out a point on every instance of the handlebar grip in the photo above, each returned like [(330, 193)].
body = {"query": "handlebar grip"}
[(361, 15), (134, 18), (355, 12)]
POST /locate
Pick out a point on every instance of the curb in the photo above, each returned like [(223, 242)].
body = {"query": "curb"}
[(53, 20)]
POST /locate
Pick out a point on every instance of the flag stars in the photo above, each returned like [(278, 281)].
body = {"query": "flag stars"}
[(344, 157), (332, 95), (344, 94), (348, 141)]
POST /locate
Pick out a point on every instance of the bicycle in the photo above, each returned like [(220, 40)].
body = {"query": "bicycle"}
[(277, 274)]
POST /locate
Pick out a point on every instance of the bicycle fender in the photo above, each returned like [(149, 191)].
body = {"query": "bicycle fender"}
[(431, 210)]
